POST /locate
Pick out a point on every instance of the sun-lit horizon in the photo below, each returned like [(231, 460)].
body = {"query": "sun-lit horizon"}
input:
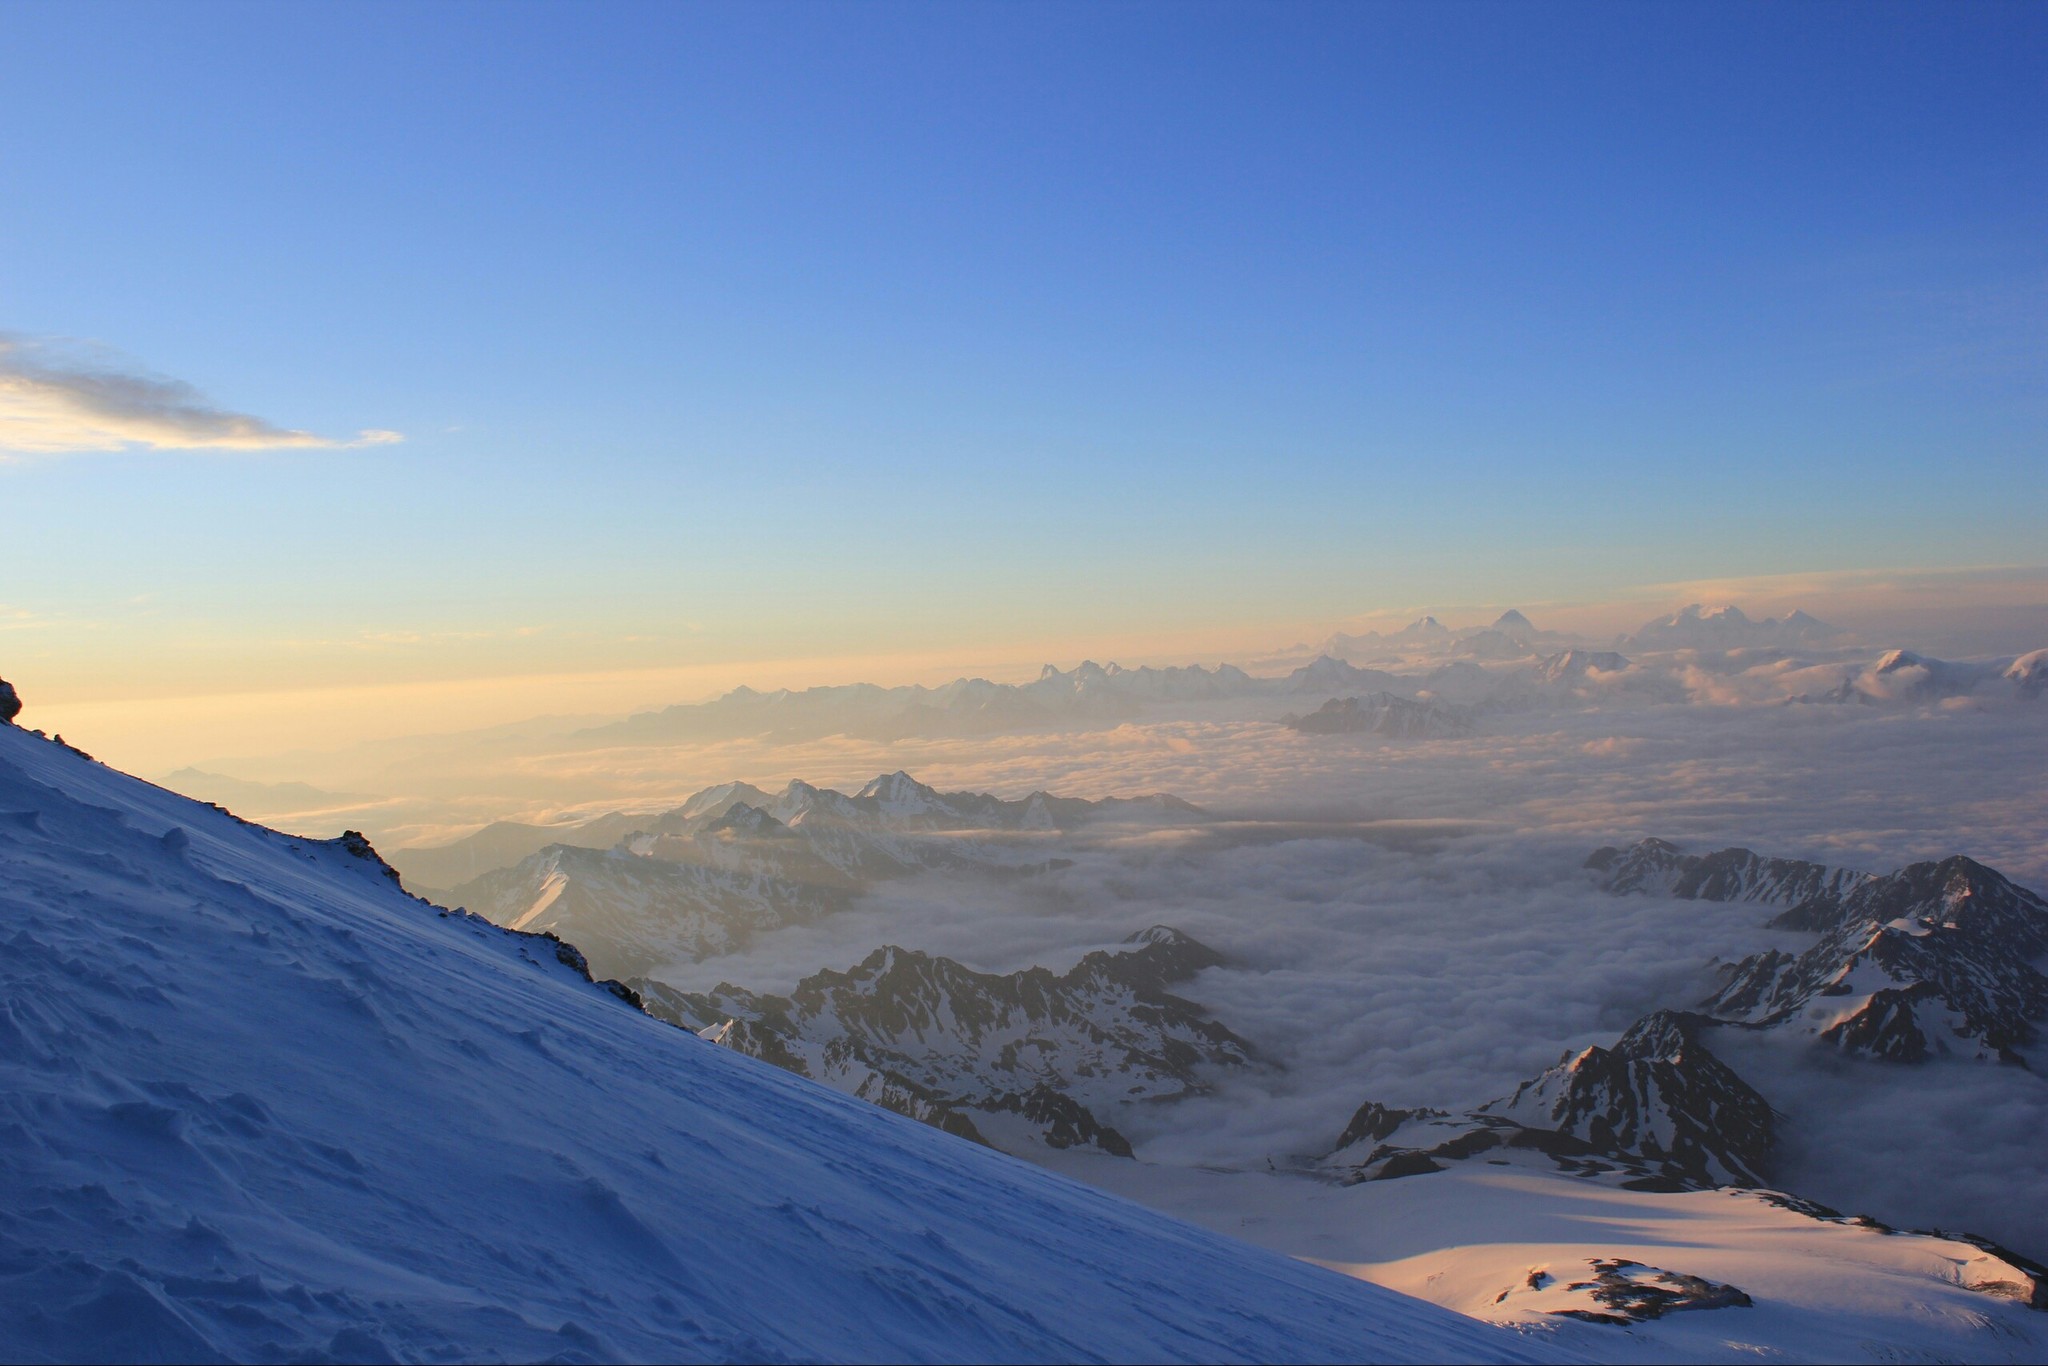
[(171, 723)]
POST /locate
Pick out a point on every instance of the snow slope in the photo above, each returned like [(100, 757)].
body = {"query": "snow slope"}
[(257, 1103), (1476, 1235)]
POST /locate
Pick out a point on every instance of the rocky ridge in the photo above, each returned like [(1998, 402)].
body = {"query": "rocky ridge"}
[(960, 1049)]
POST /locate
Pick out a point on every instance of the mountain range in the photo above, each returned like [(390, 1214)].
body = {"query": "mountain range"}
[(703, 878), (1002, 1059)]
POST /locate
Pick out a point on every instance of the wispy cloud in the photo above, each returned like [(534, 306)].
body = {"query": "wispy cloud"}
[(56, 399)]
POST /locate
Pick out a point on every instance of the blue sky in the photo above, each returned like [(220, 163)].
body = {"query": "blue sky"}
[(734, 332)]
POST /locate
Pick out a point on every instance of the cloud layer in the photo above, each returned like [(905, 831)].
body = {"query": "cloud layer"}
[(54, 400)]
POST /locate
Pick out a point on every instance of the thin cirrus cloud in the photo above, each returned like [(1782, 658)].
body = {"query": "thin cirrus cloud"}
[(55, 400)]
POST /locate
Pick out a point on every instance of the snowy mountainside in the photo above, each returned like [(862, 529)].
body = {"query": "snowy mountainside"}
[(1659, 1092), (1619, 1274), (259, 1103), (954, 1047), (1935, 958)]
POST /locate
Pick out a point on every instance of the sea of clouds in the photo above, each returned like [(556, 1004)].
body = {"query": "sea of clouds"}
[(1410, 922)]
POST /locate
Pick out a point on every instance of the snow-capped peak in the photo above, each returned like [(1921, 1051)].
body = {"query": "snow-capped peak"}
[(900, 794)]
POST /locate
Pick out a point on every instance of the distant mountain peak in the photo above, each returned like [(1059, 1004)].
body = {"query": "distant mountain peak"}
[(1514, 625), (1697, 627), (2029, 674), (899, 790), (1574, 665)]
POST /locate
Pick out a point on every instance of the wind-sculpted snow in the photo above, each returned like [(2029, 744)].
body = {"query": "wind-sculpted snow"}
[(933, 1039), (260, 1104)]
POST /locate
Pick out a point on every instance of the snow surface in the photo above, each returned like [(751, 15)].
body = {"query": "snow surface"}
[(256, 1103), (1471, 1236)]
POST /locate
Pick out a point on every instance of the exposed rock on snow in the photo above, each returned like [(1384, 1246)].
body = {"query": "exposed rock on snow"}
[(10, 703), (1624, 1292)]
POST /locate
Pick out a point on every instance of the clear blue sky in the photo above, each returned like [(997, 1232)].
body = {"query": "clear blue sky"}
[(765, 328)]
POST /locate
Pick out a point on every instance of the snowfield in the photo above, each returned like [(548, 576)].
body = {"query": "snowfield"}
[(1515, 1241), (259, 1104)]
